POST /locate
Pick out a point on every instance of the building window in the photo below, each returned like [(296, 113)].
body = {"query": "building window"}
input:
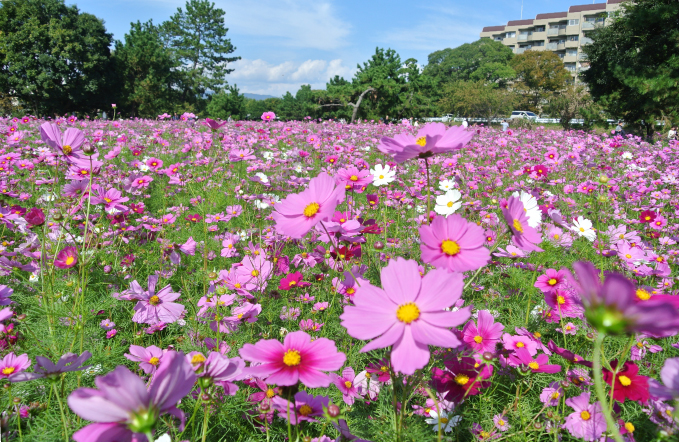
[(539, 43), (573, 22), (510, 34), (539, 29), (573, 37), (572, 52)]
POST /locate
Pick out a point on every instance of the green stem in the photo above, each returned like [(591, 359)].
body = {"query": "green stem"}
[(205, 420), (63, 416), (599, 387)]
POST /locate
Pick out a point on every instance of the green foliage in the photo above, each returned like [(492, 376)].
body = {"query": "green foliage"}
[(54, 58), (476, 99), (255, 108), (539, 75), (573, 102), (302, 105), (634, 63), (226, 103), (384, 74), (147, 72), (198, 37)]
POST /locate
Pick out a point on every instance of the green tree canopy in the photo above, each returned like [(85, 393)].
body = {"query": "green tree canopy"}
[(147, 73), (634, 63), (54, 58), (198, 36), (477, 99), (226, 103), (539, 74)]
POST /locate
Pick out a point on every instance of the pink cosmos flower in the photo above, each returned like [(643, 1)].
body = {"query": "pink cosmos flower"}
[(305, 407), (353, 179), (346, 384), (67, 258), (587, 422), (525, 236), (407, 314), (454, 244), (154, 163), (122, 408), (11, 365), (514, 343), (296, 359), (68, 146), (268, 116), (149, 358), (141, 182), (485, 336), (537, 364), (299, 213), (431, 139), (551, 280), (154, 308), (112, 200), (212, 124)]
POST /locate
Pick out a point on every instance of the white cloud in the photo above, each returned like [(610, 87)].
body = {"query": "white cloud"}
[(261, 77)]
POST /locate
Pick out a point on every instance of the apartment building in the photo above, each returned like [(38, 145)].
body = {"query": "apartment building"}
[(564, 33)]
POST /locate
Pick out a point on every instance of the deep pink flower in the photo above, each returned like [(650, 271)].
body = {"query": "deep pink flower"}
[(517, 342), (11, 365), (587, 422), (67, 258), (525, 236), (431, 139), (551, 280), (294, 279), (407, 314), (299, 213), (212, 124), (346, 385), (296, 359), (154, 308), (485, 336), (537, 364), (454, 244), (35, 217), (112, 200), (122, 407)]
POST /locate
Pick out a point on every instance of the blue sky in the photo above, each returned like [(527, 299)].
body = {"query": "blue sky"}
[(286, 43)]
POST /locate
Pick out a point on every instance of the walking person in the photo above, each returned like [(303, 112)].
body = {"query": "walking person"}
[(619, 129), (672, 134), (465, 123), (505, 126)]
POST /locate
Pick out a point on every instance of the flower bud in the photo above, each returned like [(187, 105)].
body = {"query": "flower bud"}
[(379, 245), (603, 179), (333, 410), (88, 149)]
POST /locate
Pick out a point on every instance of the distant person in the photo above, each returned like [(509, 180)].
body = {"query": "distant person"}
[(465, 123), (505, 126), (230, 119), (672, 134), (619, 129)]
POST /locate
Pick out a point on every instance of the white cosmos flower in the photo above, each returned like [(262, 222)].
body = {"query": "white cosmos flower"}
[(144, 168), (583, 227), (530, 206), (447, 185), (263, 178), (626, 155), (267, 155), (448, 203), (446, 421), (382, 175)]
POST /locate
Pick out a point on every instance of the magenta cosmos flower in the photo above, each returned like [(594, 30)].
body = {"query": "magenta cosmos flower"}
[(347, 385), (551, 281), (305, 407), (587, 421), (299, 213), (67, 258), (149, 358), (67, 145), (11, 365), (407, 314), (485, 335), (121, 407), (154, 308), (212, 124), (454, 244), (296, 359), (525, 237), (433, 138), (353, 179), (268, 116)]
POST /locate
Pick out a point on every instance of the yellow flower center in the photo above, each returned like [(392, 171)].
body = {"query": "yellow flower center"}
[(450, 248), (67, 149), (561, 300), (537, 335), (381, 177), (520, 345), (421, 141), (625, 381), (500, 422), (643, 295), (8, 370), (461, 379), (585, 415), (640, 345), (292, 283), (305, 410), (443, 420), (557, 236), (154, 300), (552, 281), (408, 312), (384, 369), (555, 395), (484, 435), (292, 358), (254, 273), (353, 178), (154, 361), (582, 229), (108, 200), (534, 365), (350, 291), (69, 260), (450, 204), (197, 359), (478, 339), (629, 427), (517, 226), (348, 384), (237, 285), (311, 210), (270, 393)]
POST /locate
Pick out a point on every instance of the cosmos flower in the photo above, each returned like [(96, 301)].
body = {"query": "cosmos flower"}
[(525, 236), (448, 203), (587, 422), (155, 307), (407, 313), (431, 139), (382, 175), (484, 336), (454, 244), (67, 258)]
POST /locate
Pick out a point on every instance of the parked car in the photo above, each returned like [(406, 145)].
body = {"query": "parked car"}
[(524, 114)]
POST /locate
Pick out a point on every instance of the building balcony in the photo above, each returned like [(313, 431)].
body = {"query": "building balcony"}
[(573, 30), (560, 46), (572, 44), (520, 50), (552, 31), (588, 25), (570, 58), (585, 41), (582, 57), (523, 37), (551, 46)]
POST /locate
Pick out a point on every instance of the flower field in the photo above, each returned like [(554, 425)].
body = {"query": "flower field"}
[(317, 281)]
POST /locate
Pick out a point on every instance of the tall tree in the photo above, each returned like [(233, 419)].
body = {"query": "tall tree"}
[(54, 58), (477, 99), (228, 102), (198, 36), (146, 72), (539, 74), (634, 63), (383, 74)]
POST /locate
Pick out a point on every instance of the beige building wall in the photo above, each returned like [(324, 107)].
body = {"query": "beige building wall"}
[(564, 33)]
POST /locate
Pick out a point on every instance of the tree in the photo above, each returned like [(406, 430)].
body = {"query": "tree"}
[(54, 58), (484, 59), (477, 100), (383, 74), (634, 64), (146, 72), (228, 102), (573, 102), (199, 38), (539, 74)]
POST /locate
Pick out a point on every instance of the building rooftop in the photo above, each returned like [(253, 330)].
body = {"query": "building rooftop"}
[(519, 22), (582, 8), (551, 15), (493, 28)]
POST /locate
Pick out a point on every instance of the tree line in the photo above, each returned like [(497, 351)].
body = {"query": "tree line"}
[(56, 59)]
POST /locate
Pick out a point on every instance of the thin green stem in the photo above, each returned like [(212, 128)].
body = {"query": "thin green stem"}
[(599, 387)]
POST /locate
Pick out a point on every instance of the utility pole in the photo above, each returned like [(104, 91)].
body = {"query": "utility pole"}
[(522, 9)]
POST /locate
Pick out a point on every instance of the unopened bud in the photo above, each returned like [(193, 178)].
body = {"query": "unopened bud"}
[(379, 245), (333, 410)]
